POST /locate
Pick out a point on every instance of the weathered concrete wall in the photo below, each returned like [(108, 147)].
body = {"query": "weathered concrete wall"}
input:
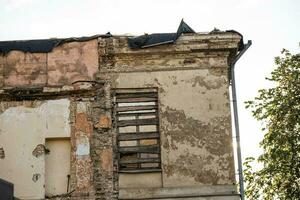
[(66, 64), (195, 122), (24, 126)]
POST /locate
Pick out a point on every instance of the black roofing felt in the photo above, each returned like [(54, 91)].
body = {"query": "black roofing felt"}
[(155, 39), (41, 46)]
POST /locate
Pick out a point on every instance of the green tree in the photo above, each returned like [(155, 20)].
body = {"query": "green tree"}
[(278, 108)]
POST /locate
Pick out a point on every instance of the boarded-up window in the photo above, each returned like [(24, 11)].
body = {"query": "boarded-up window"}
[(136, 112)]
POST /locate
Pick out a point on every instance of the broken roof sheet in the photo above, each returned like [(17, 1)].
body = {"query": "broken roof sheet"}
[(156, 39)]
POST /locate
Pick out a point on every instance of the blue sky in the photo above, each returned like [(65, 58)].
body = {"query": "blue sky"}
[(271, 25)]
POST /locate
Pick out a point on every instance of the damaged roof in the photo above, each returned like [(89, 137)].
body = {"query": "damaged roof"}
[(155, 39), (41, 46), (139, 42)]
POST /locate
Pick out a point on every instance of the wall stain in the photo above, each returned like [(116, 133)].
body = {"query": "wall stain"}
[(2, 153), (35, 177), (39, 150), (4, 105), (218, 71), (217, 165), (208, 84), (212, 135)]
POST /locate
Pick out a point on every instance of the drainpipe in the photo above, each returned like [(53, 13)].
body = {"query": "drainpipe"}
[(236, 118)]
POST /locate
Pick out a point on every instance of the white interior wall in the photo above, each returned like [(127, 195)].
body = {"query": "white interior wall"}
[(22, 129)]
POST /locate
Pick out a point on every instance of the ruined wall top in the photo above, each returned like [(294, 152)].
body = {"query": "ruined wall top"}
[(77, 61)]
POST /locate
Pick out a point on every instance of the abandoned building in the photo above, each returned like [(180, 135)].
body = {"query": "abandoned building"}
[(119, 117)]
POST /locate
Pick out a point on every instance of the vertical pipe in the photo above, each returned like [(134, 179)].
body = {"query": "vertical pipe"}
[(236, 120)]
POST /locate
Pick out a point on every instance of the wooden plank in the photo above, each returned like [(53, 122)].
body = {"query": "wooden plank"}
[(136, 100), (139, 149), (136, 108), (136, 95), (150, 113), (136, 90), (140, 160), (154, 113), (141, 170), (137, 122), (137, 136)]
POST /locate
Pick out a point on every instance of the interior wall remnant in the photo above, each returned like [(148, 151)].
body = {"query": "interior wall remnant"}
[(31, 122), (26, 125), (21, 69), (71, 62), (64, 65)]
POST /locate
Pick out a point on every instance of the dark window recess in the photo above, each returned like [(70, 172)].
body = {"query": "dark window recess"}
[(137, 124)]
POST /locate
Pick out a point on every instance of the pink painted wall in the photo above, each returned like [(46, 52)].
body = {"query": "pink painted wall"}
[(65, 64)]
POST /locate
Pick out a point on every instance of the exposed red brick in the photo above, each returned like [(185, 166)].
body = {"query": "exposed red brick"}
[(104, 122), (84, 173), (107, 160), (82, 124)]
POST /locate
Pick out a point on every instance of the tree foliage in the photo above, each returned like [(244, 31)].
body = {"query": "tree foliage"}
[(278, 108)]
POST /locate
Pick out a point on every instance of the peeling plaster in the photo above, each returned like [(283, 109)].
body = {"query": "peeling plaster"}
[(213, 135), (83, 146), (39, 150), (36, 177)]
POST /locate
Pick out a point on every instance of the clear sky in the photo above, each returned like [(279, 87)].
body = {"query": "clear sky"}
[(271, 25)]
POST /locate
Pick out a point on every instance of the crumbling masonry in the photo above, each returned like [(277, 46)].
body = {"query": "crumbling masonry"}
[(61, 119)]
